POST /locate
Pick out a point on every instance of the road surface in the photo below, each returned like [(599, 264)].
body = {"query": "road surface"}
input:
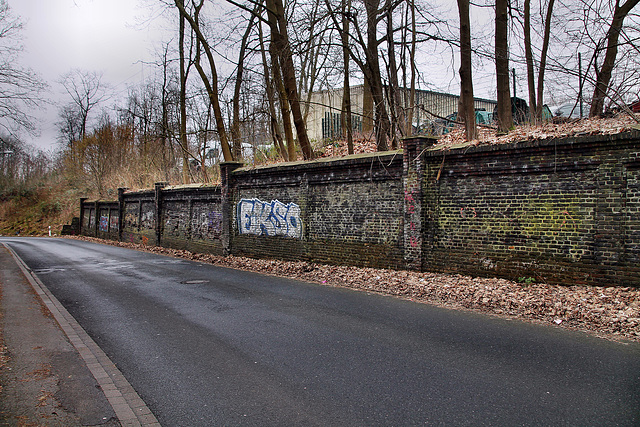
[(205, 345)]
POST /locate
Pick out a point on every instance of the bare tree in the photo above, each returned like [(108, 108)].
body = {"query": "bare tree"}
[(603, 78), (235, 124), (86, 90), (345, 116), (467, 111), (20, 88), (274, 126), (536, 101), (184, 74), (210, 81), (280, 38), (505, 118)]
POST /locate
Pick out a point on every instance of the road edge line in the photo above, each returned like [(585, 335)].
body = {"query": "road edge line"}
[(128, 406)]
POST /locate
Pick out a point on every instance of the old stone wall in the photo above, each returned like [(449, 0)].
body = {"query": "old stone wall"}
[(559, 211), (192, 218), (347, 211)]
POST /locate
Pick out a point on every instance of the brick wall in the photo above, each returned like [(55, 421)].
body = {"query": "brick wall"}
[(559, 211), (192, 218), (138, 217), (346, 211)]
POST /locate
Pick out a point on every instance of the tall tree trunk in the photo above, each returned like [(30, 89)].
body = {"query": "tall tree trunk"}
[(277, 77), (372, 74), (347, 126), (284, 103), (604, 76), (505, 118), (395, 103), (274, 126), (183, 101), (543, 59), (467, 110), (288, 73), (235, 124), (412, 62), (528, 53), (210, 85)]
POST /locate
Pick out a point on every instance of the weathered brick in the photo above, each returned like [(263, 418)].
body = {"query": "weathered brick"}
[(563, 211)]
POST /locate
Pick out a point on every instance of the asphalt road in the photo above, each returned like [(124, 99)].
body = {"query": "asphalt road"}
[(205, 345)]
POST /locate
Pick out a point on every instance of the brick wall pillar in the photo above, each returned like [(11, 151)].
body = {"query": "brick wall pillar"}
[(227, 205), (82, 200), (157, 213), (96, 214), (412, 179), (120, 211)]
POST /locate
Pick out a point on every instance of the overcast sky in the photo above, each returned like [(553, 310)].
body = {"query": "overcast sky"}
[(116, 37), (106, 36)]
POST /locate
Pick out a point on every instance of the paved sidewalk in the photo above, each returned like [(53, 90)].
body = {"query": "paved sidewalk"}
[(52, 372)]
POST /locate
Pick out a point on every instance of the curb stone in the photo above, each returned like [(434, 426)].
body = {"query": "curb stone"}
[(130, 409)]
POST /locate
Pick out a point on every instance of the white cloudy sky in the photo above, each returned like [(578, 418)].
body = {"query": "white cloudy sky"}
[(108, 36), (116, 37)]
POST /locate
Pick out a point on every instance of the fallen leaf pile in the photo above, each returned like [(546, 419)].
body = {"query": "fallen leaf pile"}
[(547, 130), (610, 312), (487, 136)]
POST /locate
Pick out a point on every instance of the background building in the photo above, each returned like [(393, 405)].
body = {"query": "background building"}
[(323, 120)]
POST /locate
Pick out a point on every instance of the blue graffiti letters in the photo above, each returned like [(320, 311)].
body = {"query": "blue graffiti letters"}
[(269, 218)]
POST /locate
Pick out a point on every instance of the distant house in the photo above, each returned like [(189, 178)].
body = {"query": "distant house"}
[(323, 119)]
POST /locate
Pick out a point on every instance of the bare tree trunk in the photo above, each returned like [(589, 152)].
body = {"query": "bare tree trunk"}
[(274, 126), (372, 74), (164, 136), (604, 76), (183, 101), (505, 118), (543, 59), (347, 127), (210, 85), (235, 124), (412, 62), (395, 102), (467, 110), (528, 53), (281, 39), (277, 77)]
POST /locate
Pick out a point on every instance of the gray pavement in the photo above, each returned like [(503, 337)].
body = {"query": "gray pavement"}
[(53, 373), (205, 345)]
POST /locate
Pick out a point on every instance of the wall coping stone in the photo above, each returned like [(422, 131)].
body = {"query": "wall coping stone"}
[(322, 162)]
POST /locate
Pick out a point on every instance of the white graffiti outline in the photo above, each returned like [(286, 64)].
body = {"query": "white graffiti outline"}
[(269, 218)]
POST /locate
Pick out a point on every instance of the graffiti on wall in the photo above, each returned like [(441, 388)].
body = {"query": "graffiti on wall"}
[(104, 223), (272, 218), (148, 216), (113, 221), (206, 225)]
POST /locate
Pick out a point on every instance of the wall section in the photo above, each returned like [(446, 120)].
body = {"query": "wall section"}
[(559, 211), (346, 211)]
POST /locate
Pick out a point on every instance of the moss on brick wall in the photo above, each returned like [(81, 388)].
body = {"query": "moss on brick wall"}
[(557, 211)]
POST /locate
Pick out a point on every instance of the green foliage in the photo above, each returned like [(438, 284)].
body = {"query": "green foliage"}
[(526, 280)]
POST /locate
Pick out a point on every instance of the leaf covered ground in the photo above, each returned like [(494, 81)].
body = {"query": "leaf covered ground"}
[(559, 128), (609, 312)]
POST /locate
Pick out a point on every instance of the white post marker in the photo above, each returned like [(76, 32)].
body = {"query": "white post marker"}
[(49, 231)]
